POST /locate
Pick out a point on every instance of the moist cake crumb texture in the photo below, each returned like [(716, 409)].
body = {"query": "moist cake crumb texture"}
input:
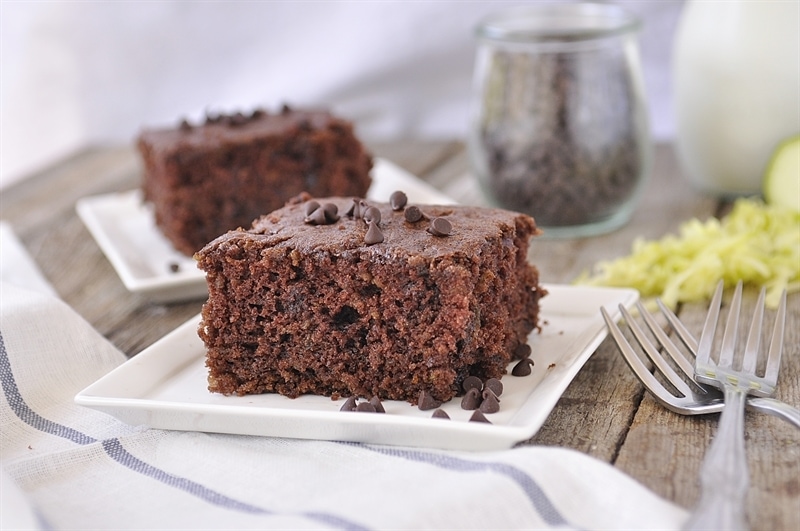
[(304, 304), (204, 180)]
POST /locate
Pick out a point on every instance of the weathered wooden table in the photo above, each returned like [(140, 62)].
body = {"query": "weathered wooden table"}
[(605, 412)]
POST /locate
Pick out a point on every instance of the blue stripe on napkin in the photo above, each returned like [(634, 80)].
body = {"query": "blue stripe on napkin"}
[(25, 413), (535, 494)]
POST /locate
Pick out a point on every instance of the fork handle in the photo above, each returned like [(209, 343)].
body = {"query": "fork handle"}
[(724, 477), (776, 408)]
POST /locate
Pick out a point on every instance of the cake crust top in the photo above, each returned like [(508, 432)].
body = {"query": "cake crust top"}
[(293, 227), (237, 128)]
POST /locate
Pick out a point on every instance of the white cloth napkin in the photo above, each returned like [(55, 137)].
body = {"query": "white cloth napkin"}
[(69, 467)]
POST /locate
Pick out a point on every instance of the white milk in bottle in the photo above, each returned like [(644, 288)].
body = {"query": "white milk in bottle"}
[(737, 89)]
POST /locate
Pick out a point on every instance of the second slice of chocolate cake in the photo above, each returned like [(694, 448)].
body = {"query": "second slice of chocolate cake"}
[(340, 297), (206, 179)]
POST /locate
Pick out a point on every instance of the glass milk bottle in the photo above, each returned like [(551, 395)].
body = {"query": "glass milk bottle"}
[(737, 90)]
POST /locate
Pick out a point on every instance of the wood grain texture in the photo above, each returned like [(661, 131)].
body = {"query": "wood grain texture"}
[(605, 412)]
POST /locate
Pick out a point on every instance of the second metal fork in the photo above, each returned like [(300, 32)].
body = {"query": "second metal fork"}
[(724, 476)]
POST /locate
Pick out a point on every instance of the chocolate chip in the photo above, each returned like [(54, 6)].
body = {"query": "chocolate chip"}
[(490, 403), (353, 210), (471, 382), (365, 407), (495, 385), (311, 206), (185, 125), (349, 404), (373, 235), (257, 113), (440, 227), (372, 214), (413, 214), (238, 119), (331, 212), (440, 414), (471, 400), (376, 403), (174, 267), (479, 417), (398, 200), (426, 401), (522, 368), (489, 392), (285, 109), (317, 217), (317, 214), (523, 350), (358, 208)]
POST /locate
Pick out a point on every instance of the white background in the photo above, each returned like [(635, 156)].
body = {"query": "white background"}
[(96, 72)]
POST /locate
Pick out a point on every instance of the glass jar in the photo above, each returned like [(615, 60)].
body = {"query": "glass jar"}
[(559, 120)]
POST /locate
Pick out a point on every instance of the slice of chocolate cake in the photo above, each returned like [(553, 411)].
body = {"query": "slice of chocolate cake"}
[(341, 297), (208, 179)]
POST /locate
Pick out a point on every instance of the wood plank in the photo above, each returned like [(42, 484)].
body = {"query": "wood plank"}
[(419, 157), (51, 194), (596, 409)]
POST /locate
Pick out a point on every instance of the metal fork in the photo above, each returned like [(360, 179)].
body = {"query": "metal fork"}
[(717, 500), (693, 398), (724, 476)]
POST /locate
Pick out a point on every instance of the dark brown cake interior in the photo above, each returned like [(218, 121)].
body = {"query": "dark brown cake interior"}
[(296, 308)]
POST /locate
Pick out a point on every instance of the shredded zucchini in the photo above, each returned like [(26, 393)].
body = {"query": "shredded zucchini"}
[(756, 243)]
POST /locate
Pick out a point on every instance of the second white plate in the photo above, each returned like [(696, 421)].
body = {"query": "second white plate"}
[(165, 386), (146, 262)]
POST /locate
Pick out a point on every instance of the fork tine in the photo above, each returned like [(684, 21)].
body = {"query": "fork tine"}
[(634, 362), (754, 336), (665, 369), (688, 339), (776, 345), (728, 347), (680, 329), (703, 352)]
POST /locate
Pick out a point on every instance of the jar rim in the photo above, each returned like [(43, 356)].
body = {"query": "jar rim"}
[(558, 22)]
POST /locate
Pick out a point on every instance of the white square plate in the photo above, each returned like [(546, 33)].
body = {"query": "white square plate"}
[(165, 387), (124, 228)]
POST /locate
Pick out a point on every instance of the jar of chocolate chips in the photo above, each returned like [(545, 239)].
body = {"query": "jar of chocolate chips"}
[(559, 128)]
